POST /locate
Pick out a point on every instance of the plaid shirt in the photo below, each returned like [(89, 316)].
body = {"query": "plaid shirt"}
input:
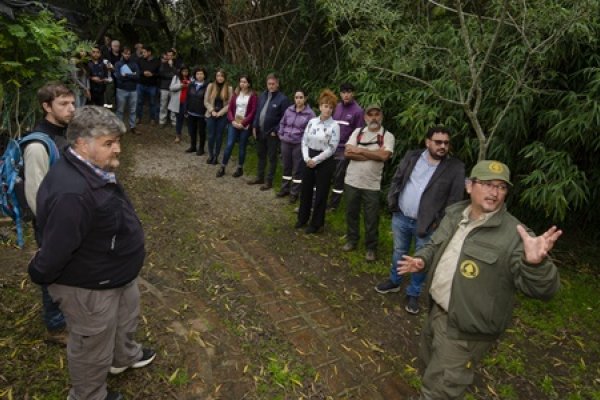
[(109, 177)]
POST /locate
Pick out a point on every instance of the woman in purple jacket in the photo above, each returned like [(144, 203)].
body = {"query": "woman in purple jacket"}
[(240, 113), (291, 129)]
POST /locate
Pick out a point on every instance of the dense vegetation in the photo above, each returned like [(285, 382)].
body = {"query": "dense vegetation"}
[(516, 80)]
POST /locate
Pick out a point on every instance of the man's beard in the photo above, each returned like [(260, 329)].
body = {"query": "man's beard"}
[(374, 125)]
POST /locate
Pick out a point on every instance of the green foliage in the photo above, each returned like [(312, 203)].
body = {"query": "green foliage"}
[(34, 49), (516, 81)]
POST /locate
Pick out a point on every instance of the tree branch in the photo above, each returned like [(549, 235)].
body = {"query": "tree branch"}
[(251, 21), (422, 82)]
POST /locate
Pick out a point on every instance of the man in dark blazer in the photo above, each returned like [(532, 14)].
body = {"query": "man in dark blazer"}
[(425, 183)]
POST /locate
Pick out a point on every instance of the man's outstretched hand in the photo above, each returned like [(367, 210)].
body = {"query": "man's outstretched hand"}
[(537, 247)]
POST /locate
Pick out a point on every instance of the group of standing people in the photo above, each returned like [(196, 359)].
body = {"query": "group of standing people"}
[(124, 79), (473, 253)]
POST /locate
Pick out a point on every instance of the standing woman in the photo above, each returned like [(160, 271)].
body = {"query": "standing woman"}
[(178, 88), (321, 137), (291, 129), (195, 110), (216, 101), (240, 114)]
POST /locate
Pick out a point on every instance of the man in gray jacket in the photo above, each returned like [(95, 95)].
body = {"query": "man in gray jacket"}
[(426, 182)]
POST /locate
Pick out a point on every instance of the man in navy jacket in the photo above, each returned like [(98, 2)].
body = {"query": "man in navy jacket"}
[(271, 106), (91, 252)]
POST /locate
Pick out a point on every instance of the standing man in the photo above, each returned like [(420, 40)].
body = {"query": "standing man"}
[(58, 103), (367, 149), (92, 250), (476, 261), (349, 116), (425, 183), (148, 85), (166, 73), (98, 77), (271, 106), (127, 74), (114, 56)]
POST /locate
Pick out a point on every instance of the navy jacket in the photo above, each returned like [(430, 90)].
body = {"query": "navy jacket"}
[(446, 187), (90, 235), (277, 106), (127, 82)]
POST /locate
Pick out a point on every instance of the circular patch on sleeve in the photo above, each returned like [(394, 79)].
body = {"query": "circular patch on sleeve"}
[(469, 269)]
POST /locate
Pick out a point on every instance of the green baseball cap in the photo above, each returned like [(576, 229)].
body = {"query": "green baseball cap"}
[(489, 170)]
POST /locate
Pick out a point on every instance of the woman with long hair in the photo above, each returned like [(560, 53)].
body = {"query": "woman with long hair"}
[(320, 140), (240, 114), (179, 88), (196, 111), (291, 129), (216, 100)]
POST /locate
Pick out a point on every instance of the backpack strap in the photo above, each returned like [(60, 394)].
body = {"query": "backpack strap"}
[(379, 137), (51, 147)]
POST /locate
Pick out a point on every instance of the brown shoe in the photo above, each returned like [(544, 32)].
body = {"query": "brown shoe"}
[(57, 337), (256, 181), (177, 139), (266, 186)]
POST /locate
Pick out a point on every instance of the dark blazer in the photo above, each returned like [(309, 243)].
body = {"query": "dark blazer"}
[(446, 187), (279, 102)]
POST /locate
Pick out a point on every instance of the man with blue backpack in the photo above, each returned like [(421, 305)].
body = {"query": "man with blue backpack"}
[(58, 104)]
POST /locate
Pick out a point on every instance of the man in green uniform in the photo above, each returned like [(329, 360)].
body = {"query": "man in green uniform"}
[(477, 259)]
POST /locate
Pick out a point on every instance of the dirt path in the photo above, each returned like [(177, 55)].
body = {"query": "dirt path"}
[(236, 287)]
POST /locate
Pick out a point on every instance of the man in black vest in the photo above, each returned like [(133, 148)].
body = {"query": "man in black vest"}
[(58, 103)]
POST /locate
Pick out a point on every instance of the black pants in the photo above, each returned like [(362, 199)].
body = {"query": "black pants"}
[(319, 178), (97, 98), (338, 182), (197, 129), (266, 149)]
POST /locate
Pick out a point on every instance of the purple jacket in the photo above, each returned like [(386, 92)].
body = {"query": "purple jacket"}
[(349, 117), (293, 123)]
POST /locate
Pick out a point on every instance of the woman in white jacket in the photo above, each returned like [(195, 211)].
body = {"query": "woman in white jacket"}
[(178, 89)]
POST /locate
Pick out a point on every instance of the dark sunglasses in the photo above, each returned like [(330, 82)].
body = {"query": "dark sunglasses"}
[(441, 142)]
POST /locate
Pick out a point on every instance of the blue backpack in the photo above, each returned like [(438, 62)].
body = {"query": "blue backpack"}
[(12, 184)]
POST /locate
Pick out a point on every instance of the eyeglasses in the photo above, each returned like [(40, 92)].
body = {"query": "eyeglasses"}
[(441, 142), (489, 186)]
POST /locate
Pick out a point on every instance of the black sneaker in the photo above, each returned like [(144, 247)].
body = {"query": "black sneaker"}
[(311, 230), (238, 172), (190, 150), (209, 160), (293, 198), (282, 193), (114, 396), (148, 355), (412, 307), (387, 287), (221, 172)]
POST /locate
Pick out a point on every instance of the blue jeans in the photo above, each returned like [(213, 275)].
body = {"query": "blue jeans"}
[(144, 91), (404, 229), (51, 314), (53, 317), (215, 126), (232, 136), (127, 100)]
